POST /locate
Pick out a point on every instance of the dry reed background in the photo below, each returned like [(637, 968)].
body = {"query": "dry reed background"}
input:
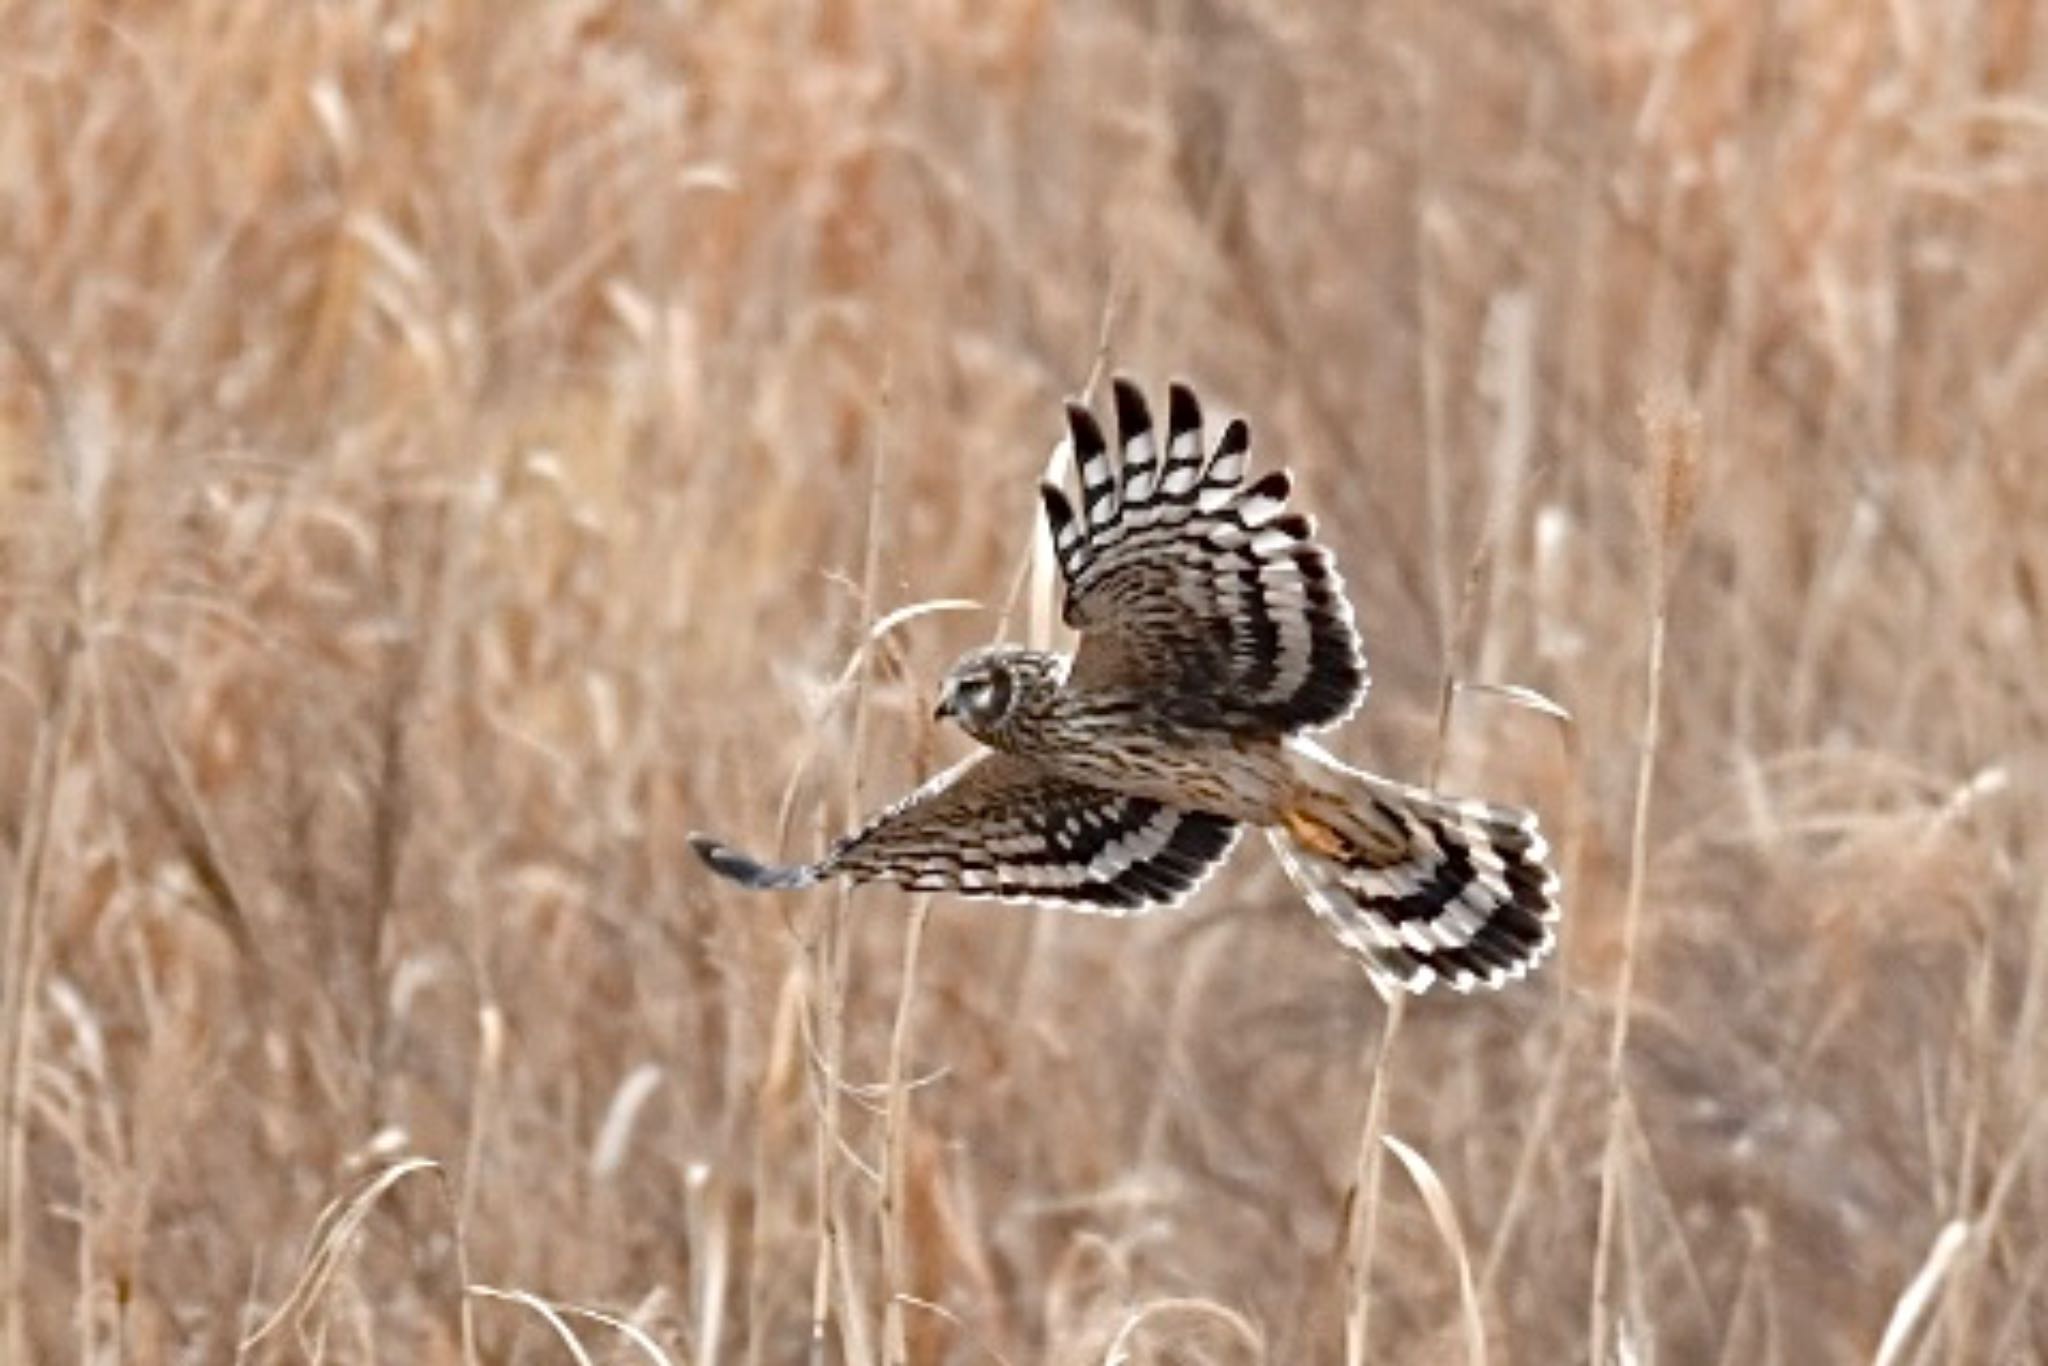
[(437, 445)]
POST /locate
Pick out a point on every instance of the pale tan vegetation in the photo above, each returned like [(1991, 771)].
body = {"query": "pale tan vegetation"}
[(451, 450)]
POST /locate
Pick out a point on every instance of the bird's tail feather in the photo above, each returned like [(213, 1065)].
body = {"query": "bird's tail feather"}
[(1427, 888)]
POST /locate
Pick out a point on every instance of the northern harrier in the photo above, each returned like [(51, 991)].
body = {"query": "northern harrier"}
[(1214, 633)]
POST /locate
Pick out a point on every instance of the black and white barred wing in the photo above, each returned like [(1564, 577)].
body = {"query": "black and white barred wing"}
[(1001, 826), (1426, 888), (1194, 586)]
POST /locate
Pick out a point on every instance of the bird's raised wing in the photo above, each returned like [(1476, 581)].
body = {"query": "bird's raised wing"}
[(1194, 587), (1003, 826)]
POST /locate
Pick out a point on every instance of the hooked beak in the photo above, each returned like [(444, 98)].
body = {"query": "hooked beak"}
[(947, 703)]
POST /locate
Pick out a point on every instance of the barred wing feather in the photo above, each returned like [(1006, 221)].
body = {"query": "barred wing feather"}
[(1001, 826), (1195, 586)]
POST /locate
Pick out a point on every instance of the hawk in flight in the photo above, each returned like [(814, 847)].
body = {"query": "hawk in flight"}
[(1214, 635)]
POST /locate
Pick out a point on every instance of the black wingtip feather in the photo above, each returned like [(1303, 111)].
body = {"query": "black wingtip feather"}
[(1085, 430), (1059, 513), (1277, 485), (1133, 417), (1294, 524), (1236, 438), (730, 863), (1183, 409)]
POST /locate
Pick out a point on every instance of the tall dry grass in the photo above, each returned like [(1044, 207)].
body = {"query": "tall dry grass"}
[(437, 443)]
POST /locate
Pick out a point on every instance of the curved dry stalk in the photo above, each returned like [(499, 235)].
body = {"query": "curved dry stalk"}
[(333, 1236), (939, 1311), (556, 1316), (1445, 1216), (1918, 1297), (1119, 1353), (547, 1314)]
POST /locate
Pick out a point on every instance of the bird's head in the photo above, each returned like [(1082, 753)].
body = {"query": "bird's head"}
[(988, 691)]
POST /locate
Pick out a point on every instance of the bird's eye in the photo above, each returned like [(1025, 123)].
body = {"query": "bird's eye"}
[(988, 696)]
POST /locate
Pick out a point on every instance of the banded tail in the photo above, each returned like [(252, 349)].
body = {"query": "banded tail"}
[(1426, 888)]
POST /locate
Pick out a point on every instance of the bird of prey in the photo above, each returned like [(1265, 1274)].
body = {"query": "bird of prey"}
[(1214, 637)]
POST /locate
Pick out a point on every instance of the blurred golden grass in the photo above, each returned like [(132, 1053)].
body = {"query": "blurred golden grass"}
[(437, 444)]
